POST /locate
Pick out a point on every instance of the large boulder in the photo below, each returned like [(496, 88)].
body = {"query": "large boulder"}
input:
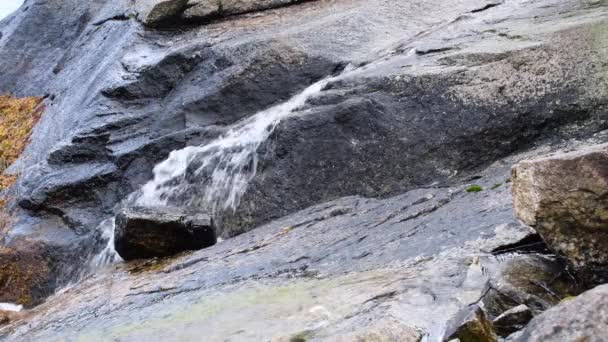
[(158, 232), (565, 198), (582, 319)]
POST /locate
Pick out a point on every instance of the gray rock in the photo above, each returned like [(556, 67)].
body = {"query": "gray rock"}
[(486, 84), (159, 232), (210, 9), (157, 12), (563, 196), (584, 318), (512, 320)]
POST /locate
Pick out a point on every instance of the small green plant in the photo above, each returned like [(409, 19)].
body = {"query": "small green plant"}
[(496, 186), (474, 188), (300, 337), (567, 298)]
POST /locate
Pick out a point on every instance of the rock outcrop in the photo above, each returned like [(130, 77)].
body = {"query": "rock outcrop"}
[(584, 318), (565, 198), (159, 232)]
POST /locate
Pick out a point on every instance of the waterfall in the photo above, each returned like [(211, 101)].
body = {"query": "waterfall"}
[(216, 175)]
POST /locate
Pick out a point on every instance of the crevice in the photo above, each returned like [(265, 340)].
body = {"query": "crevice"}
[(532, 243), (118, 17), (434, 50), (486, 7)]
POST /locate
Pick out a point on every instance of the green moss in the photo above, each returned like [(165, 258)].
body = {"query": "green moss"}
[(474, 188), (300, 337), (496, 186), (567, 298)]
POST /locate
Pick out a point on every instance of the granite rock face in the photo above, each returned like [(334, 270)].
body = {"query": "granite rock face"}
[(564, 197), (430, 94)]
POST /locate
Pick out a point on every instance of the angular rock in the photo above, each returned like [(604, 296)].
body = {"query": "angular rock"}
[(156, 12), (512, 320), (158, 232), (474, 327), (565, 198), (584, 318)]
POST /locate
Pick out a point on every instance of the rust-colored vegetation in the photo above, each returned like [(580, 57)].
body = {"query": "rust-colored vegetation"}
[(17, 118)]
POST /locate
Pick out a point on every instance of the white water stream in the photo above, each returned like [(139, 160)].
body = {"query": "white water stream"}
[(222, 168)]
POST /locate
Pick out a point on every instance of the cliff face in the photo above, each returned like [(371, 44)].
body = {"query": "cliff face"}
[(419, 98)]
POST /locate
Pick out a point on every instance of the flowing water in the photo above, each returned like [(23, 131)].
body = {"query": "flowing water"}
[(215, 176)]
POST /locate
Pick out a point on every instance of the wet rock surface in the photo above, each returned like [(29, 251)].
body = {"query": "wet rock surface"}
[(142, 233), (584, 318), (563, 197), (322, 267), (357, 211)]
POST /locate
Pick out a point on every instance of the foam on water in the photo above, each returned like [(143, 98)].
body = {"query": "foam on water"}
[(222, 168), (10, 307), (108, 254)]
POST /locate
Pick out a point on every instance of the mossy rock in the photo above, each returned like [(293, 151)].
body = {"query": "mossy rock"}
[(474, 188)]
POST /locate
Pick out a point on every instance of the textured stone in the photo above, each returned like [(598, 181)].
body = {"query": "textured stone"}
[(584, 318), (209, 9), (158, 232), (157, 12), (564, 197), (25, 274), (473, 327)]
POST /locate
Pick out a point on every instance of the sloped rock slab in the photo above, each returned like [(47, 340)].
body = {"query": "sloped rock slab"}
[(159, 232), (565, 198)]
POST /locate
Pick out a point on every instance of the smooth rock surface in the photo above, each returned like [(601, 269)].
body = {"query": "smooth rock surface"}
[(142, 233), (584, 318), (564, 197)]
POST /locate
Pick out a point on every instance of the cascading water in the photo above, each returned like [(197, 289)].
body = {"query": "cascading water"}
[(215, 176)]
